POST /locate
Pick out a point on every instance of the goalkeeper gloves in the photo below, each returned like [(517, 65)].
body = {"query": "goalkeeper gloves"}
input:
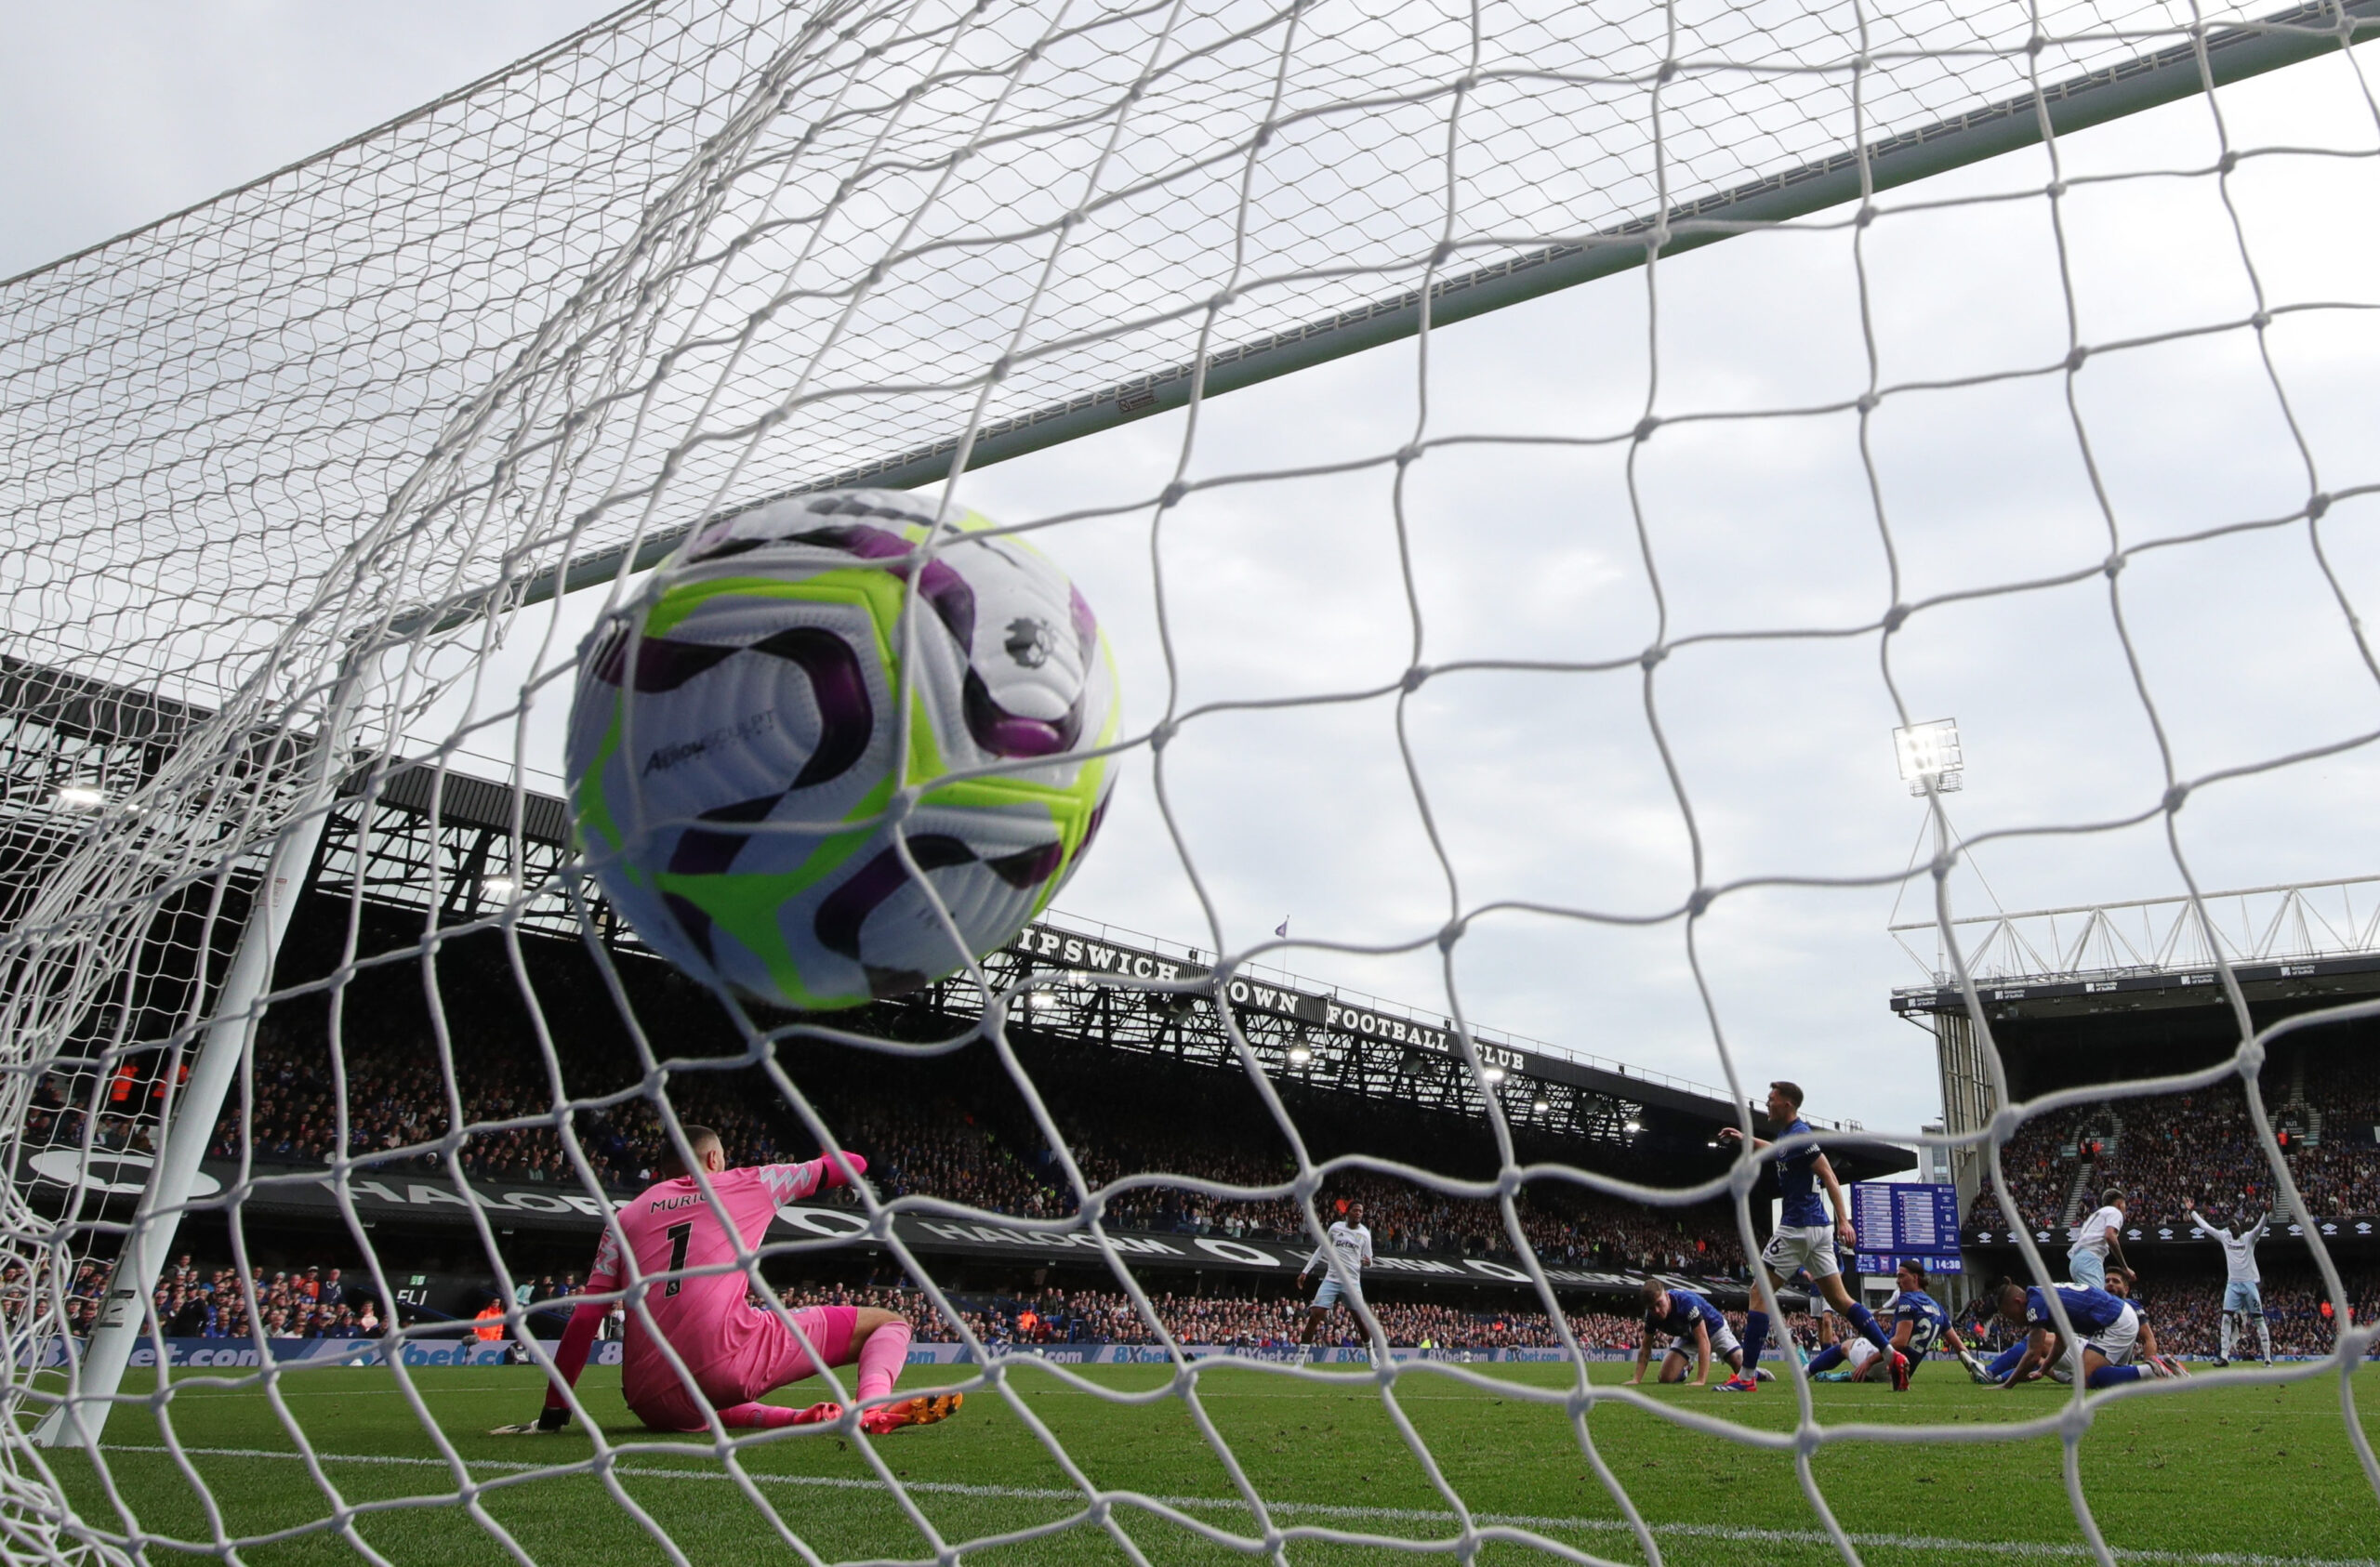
[(547, 1422)]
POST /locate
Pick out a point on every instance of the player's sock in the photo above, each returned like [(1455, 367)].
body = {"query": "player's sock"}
[(2227, 1335), (2109, 1376), (2005, 1365), (1870, 1328), (1755, 1338), (2263, 1335), (1826, 1359), (769, 1417), (881, 1357)]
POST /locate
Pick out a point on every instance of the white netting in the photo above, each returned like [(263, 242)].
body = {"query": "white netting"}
[(282, 472)]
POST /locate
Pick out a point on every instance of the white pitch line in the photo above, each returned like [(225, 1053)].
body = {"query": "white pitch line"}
[(2040, 1550)]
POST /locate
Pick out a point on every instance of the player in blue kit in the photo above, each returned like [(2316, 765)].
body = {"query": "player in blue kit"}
[(1918, 1324), (1805, 1238), (2109, 1328), (1693, 1326)]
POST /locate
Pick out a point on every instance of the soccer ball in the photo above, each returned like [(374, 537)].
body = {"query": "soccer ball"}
[(734, 730)]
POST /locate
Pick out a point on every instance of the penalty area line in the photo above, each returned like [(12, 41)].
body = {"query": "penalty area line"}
[(2038, 1551)]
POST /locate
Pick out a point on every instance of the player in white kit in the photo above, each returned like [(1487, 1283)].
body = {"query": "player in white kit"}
[(1343, 1260), (2091, 1241), (2243, 1289)]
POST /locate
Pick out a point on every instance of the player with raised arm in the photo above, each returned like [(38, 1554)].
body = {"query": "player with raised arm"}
[(1694, 1326), (735, 1352), (1918, 1325), (2243, 1295), (1342, 1258), (1804, 1238), (2089, 1242), (2109, 1328)]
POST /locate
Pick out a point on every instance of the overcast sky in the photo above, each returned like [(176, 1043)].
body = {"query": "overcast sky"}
[(1548, 788)]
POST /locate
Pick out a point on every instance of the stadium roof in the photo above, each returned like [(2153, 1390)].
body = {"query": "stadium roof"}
[(2306, 940)]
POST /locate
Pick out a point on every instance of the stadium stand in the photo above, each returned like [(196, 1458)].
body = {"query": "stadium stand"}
[(2200, 1146), (949, 1126)]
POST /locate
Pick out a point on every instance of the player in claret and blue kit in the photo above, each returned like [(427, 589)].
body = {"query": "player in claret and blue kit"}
[(735, 1352), (1805, 1238), (2107, 1327), (1694, 1327)]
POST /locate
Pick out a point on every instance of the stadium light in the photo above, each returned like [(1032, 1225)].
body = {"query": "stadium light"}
[(1300, 1055), (500, 887), (78, 796), (1930, 752), (1494, 1075), (1541, 1104), (1634, 1127)]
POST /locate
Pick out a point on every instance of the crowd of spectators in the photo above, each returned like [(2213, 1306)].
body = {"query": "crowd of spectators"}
[(2200, 1146), (397, 1103), (397, 1099), (196, 1302)]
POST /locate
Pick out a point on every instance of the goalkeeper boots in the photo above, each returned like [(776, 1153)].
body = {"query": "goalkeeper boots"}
[(925, 1411)]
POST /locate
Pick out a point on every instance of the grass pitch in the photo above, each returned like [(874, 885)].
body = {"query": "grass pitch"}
[(2223, 1477)]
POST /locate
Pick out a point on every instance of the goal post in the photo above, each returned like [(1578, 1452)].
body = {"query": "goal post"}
[(2062, 107)]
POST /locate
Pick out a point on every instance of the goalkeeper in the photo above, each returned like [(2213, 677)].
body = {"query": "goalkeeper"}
[(735, 1352)]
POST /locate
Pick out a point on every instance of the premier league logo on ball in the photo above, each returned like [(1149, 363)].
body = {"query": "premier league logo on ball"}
[(738, 739)]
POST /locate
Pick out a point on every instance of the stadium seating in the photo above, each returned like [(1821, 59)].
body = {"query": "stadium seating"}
[(2200, 1146)]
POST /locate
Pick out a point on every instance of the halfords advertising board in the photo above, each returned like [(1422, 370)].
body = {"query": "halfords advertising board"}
[(233, 1354), (229, 1354)]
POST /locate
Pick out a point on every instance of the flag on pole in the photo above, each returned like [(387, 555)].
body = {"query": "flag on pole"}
[(1282, 929)]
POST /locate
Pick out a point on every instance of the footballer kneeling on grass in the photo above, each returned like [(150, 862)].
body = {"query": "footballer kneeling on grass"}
[(733, 1352)]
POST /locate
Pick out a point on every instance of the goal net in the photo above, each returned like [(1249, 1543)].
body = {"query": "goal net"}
[(1501, 632)]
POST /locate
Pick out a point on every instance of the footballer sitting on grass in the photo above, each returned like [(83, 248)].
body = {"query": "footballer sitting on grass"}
[(735, 1352), (1918, 1325)]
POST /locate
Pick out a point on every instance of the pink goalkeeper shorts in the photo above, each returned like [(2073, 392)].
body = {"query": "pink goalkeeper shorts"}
[(769, 1358)]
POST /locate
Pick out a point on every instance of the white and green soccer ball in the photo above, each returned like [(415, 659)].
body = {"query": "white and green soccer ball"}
[(734, 732)]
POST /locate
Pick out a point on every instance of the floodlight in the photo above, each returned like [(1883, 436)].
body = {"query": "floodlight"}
[(1634, 1127), (1930, 752), (1541, 1104), (79, 796), (1494, 1075), (1300, 1055), (500, 887)]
